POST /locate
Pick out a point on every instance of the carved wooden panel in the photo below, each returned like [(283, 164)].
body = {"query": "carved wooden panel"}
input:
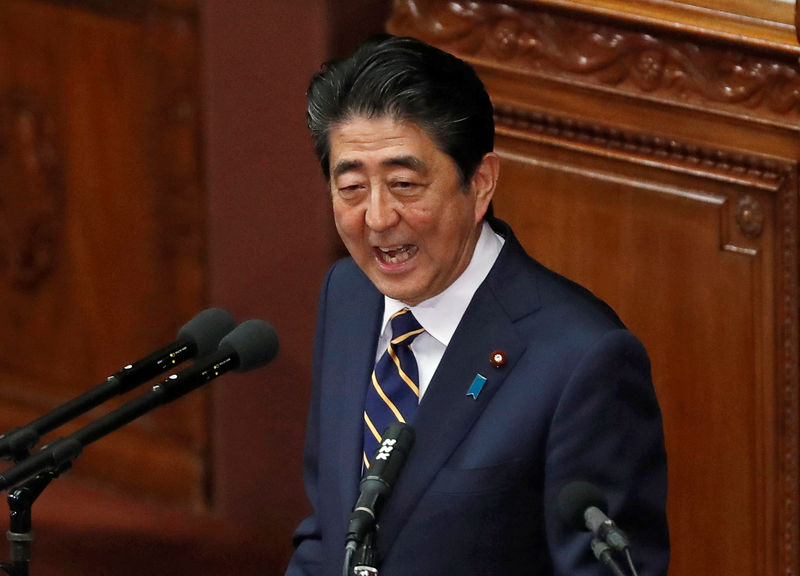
[(657, 163), (101, 223)]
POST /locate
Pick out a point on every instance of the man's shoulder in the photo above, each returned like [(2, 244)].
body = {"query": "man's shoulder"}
[(536, 286), (345, 270), (345, 278)]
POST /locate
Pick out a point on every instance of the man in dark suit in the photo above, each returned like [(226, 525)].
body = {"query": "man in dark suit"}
[(525, 381)]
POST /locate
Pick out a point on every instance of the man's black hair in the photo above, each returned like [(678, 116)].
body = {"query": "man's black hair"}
[(407, 80)]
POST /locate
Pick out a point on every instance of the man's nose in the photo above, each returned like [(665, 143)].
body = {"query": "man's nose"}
[(381, 211)]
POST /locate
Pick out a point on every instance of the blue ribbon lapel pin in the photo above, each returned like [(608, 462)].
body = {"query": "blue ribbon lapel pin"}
[(476, 386)]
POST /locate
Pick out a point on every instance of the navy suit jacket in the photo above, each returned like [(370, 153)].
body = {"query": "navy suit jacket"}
[(478, 494)]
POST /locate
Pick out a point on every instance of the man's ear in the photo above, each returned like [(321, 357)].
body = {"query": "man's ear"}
[(484, 182)]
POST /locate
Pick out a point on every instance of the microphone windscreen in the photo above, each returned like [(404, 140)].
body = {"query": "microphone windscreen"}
[(206, 329), (573, 500), (401, 439), (254, 342)]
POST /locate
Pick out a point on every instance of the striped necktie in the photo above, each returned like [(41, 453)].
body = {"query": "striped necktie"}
[(394, 393)]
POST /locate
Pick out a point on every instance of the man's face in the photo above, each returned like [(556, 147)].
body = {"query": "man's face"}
[(400, 208)]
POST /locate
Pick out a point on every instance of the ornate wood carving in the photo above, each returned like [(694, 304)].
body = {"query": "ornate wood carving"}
[(31, 194), (750, 216), (754, 170), (652, 64)]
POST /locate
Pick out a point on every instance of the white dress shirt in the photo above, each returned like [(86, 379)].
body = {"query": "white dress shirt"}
[(441, 314)]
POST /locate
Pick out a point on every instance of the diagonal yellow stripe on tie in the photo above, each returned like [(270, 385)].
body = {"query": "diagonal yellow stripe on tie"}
[(371, 427), (407, 335), (385, 398), (399, 313), (403, 375)]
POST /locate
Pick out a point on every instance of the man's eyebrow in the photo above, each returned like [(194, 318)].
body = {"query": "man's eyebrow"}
[(411, 162), (346, 166)]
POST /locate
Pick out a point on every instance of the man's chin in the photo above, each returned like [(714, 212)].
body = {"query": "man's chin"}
[(405, 294)]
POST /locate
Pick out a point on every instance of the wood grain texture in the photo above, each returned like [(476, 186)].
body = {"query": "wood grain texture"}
[(102, 225)]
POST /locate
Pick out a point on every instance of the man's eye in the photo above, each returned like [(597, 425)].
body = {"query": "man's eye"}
[(350, 190), (403, 185)]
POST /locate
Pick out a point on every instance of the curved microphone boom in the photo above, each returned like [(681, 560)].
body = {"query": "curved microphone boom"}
[(200, 336), (250, 345)]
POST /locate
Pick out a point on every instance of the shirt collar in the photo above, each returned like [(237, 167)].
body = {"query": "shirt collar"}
[(441, 314)]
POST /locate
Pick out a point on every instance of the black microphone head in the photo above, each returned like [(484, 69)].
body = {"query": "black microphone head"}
[(390, 457), (575, 497), (254, 342), (206, 329)]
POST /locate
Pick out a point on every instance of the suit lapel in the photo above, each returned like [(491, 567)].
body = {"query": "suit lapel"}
[(487, 326), (357, 321)]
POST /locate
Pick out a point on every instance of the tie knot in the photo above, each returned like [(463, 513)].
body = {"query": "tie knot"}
[(405, 327)]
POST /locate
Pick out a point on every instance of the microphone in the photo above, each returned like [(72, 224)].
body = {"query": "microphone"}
[(583, 506), (377, 485), (198, 337), (251, 344)]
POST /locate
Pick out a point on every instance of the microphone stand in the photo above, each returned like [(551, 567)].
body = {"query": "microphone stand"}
[(62, 451), (37, 471), (15, 443), (365, 560), (20, 533), (602, 552)]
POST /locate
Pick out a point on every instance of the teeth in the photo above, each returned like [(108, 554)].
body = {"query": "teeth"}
[(397, 254)]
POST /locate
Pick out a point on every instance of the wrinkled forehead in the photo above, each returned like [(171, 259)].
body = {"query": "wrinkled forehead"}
[(382, 143), (393, 141)]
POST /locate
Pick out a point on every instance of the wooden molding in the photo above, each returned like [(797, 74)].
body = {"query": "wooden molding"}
[(788, 391), (580, 48), (758, 171)]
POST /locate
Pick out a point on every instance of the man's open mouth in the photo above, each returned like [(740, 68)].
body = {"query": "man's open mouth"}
[(396, 254)]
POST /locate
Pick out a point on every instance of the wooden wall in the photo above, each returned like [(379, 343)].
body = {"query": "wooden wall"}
[(270, 240), (102, 222), (154, 161), (271, 236), (650, 151)]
